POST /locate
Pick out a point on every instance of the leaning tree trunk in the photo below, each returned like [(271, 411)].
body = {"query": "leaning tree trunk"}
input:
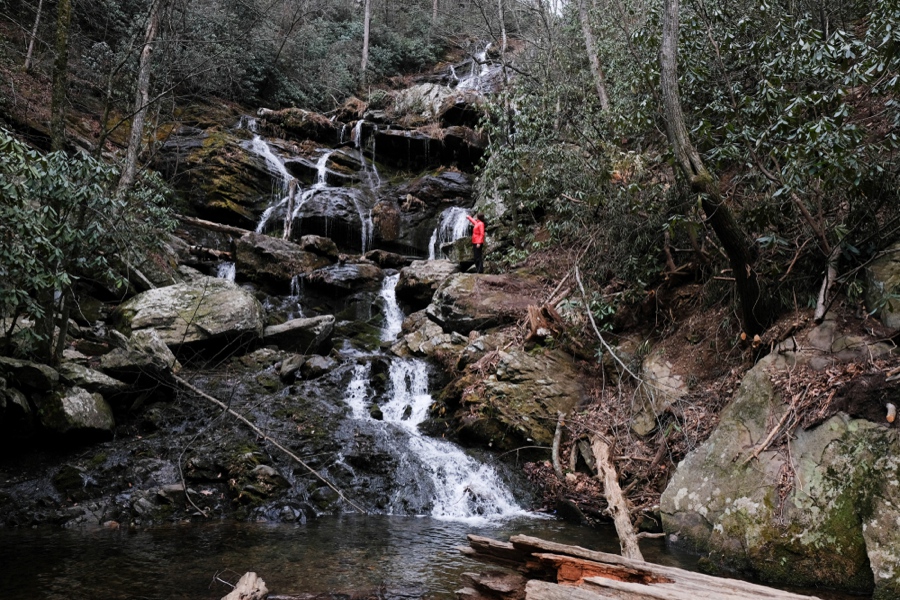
[(34, 31), (591, 47), (737, 245), (60, 76), (141, 100)]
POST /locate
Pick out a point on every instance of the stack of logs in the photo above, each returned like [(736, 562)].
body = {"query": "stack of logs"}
[(542, 570)]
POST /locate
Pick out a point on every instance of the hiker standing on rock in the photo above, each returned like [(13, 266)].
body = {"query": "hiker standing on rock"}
[(478, 240)]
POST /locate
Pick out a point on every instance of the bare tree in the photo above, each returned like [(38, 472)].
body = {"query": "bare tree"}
[(141, 100), (34, 30), (591, 47), (367, 21), (735, 242)]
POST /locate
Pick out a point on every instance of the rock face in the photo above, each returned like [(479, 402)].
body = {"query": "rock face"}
[(76, 410), (466, 302), (516, 402), (813, 513), (883, 287), (203, 311), (274, 262), (419, 281), (303, 335)]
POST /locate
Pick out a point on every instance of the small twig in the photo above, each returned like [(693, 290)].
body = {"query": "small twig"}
[(777, 428)]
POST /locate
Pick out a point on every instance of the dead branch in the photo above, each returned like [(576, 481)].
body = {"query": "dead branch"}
[(212, 226), (557, 438), (617, 504)]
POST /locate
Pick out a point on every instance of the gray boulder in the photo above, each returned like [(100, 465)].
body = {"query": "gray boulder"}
[(883, 286), (142, 358), (210, 310), (304, 335), (346, 278), (419, 281), (814, 511), (28, 375), (91, 380), (465, 302), (76, 410)]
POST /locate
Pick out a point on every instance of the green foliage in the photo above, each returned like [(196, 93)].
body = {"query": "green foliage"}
[(60, 220)]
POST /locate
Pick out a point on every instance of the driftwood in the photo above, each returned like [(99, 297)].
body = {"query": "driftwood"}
[(618, 506), (560, 572), (250, 587), (212, 253)]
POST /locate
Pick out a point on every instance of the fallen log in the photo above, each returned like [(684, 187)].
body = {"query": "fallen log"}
[(618, 506), (592, 575), (212, 226), (250, 587)]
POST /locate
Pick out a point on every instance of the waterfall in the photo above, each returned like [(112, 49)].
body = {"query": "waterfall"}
[(481, 69), (227, 270), (465, 489), (452, 226), (276, 167)]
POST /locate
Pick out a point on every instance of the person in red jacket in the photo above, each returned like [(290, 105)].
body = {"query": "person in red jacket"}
[(478, 240)]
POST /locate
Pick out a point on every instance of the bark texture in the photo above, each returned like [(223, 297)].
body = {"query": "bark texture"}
[(591, 47)]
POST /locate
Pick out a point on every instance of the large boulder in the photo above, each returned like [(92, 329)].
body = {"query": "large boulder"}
[(341, 214), (76, 411), (28, 375), (514, 400), (420, 280), (467, 301), (91, 380), (346, 278), (415, 150), (303, 335), (883, 286), (812, 511), (298, 123), (275, 262), (209, 310), (144, 359)]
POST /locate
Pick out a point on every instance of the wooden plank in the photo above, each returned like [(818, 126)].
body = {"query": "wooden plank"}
[(505, 550), (572, 571), (487, 558)]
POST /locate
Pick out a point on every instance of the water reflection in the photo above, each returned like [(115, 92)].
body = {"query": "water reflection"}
[(393, 556)]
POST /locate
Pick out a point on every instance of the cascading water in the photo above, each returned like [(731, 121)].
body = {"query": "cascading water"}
[(452, 226), (283, 180), (465, 490), (227, 270), (481, 69)]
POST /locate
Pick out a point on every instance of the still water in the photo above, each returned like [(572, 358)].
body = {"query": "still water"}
[(391, 557), (394, 556)]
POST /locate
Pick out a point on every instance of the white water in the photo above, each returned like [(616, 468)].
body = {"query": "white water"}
[(481, 67), (465, 490), (452, 226), (227, 270), (283, 179)]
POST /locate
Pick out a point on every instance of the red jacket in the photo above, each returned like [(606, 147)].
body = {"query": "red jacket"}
[(477, 230)]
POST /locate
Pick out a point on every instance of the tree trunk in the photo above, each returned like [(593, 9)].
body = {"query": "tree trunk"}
[(60, 76), (367, 22), (37, 22), (591, 46), (434, 13), (737, 245), (141, 100), (502, 18)]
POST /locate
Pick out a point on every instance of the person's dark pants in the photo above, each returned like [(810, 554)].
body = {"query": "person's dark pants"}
[(479, 258)]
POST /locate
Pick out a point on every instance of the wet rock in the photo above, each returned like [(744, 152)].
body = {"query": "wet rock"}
[(321, 246), (424, 337), (76, 411), (316, 366), (422, 101), (211, 310), (386, 221), (659, 389), (28, 375), (465, 302), (307, 335), (387, 260), (883, 286), (336, 213), (73, 482), (16, 415), (420, 280), (220, 178), (346, 278), (436, 189), (274, 262), (290, 366), (91, 380), (812, 515), (462, 107), (298, 123)]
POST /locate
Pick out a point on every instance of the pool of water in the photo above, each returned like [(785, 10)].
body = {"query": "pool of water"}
[(390, 557)]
